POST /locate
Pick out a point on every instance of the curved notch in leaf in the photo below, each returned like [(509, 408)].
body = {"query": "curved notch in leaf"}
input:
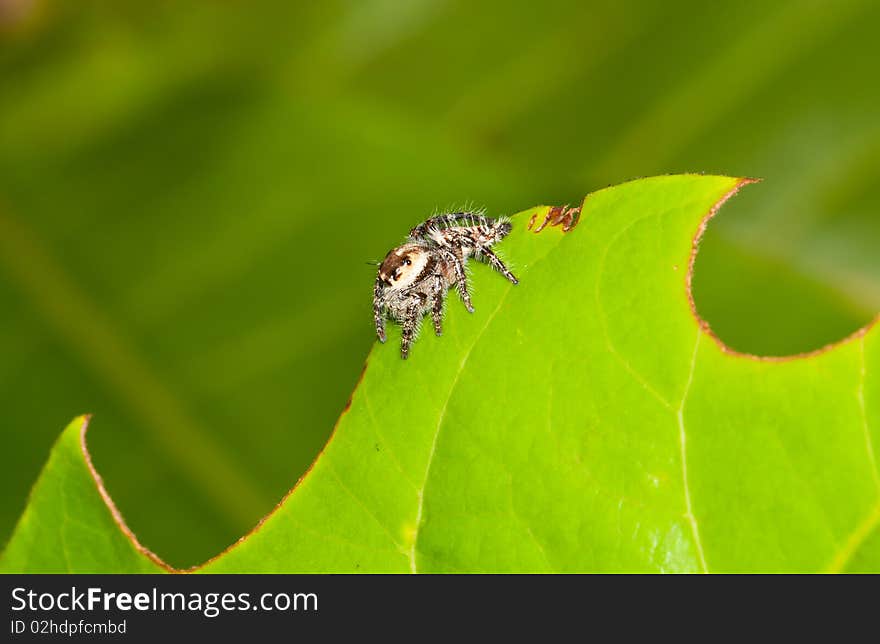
[(70, 523), (584, 420)]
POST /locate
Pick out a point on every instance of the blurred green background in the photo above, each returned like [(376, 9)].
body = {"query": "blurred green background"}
[(189, 194)]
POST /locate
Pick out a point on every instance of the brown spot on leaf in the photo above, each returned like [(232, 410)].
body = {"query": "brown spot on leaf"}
[(565, 216)]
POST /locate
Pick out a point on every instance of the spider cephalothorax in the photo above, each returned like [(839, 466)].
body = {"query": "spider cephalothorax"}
[(413, 278)]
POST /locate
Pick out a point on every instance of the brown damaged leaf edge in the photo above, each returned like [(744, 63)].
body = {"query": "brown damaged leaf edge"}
[(704, 325), (277, 507), (108, 501), (123, 526)]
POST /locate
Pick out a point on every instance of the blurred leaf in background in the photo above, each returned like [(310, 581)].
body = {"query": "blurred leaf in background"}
[(189, 194)]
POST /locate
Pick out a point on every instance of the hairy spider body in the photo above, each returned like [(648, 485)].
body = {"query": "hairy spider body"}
[(414, 278)]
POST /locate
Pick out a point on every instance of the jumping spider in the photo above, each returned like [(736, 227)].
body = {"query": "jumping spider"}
[(414, 278)]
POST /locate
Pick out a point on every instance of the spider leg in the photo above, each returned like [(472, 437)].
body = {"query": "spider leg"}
[(497, 264), (461, 284), (378, 313), (438, 295), (410, 326)]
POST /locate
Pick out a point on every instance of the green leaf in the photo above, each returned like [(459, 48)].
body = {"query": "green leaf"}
[(584, 420)]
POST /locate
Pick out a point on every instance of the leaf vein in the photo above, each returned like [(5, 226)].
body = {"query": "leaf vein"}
[(442, 415), (855, 540), (682, 439), (869, 444), (639, 378), (440, 418), (384, 441), (365, 507)]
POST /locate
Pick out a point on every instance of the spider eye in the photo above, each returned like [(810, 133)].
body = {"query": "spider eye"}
[(407, 261)]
